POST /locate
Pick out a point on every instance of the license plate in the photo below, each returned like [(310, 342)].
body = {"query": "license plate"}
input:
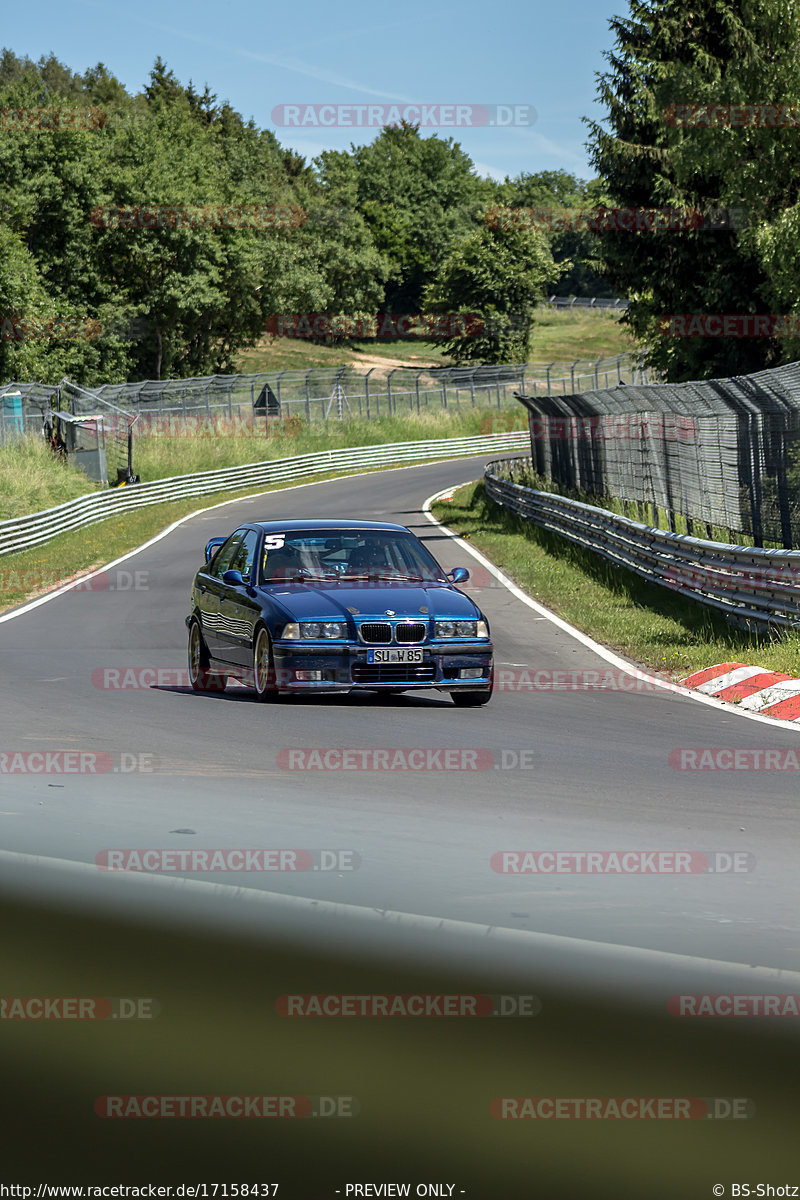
[(394, 655)]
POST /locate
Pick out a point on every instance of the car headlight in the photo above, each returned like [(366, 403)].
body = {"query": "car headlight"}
[(333, 629), (483, 630), (316, 630), (458, 629)]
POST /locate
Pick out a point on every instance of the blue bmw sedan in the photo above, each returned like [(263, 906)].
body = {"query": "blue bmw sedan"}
[(334, 606)]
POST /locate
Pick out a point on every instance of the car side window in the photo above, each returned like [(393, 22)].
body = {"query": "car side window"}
[(244, 555), (221, 563)]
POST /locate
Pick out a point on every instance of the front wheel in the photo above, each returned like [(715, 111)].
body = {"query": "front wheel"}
[(476, 698), (264, 668), (200, 677)]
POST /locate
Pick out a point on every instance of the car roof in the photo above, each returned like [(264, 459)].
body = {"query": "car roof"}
[(324, 523)]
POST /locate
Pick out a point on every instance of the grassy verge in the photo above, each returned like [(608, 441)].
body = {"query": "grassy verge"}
[(32, 478), (31, 573), (159, 457), (648, 624)]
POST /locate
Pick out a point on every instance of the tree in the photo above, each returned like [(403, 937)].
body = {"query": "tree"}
[(575, 249), (497, 274), (720, 52), (417, 195)]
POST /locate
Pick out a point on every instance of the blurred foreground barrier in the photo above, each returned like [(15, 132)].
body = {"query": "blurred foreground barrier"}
[(487, 1104)]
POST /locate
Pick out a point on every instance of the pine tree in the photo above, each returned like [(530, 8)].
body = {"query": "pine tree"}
[(665, 57)]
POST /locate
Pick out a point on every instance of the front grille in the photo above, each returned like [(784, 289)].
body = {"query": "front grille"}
[(394, 672), (410, 631), (375, 631)]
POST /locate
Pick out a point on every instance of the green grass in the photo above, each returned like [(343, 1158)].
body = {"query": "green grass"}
[(159, 457), (33, 478), (43, 568), (564, 336), (33, 572), (648, 624), (557, 336), (285, 353)]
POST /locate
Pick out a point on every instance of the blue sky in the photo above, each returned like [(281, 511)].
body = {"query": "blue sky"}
[(260, 56)]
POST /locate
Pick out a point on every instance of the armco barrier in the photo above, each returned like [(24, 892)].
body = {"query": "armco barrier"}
[(750, 585), (24, 532)]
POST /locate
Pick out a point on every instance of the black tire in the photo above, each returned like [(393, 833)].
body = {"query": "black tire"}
[(476, 698), (201, 679), (264, 683)]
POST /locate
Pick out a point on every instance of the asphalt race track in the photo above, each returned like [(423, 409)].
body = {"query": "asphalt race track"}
[(574, 769)]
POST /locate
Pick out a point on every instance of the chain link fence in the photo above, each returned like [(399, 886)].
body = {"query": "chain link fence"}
[(322, 393), (723, 452)]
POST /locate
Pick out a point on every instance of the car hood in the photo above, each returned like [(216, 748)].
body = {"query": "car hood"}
[(305, 603)]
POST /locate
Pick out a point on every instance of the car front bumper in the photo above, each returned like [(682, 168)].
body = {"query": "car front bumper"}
[(344, 668)]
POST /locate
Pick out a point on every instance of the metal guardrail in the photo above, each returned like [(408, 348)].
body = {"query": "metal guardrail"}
[(604, 302), (24, 532), (750, 585)]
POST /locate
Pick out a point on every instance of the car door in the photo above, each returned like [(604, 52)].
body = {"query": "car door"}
[(239, 611), (212, 614)]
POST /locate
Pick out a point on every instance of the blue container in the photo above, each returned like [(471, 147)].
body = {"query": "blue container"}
[(11, 413)]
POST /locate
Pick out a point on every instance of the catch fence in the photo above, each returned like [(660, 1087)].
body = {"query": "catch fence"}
[(723, 452), (326, 393)]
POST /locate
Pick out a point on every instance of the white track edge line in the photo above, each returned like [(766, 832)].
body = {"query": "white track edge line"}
[(596, 647)]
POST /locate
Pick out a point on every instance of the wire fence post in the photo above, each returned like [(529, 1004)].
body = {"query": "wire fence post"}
[(278, 391), (308, 399)]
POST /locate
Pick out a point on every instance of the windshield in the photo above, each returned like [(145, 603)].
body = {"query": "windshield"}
[(347, 556)]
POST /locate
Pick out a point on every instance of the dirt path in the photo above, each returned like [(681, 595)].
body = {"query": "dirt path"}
[(378, 360)]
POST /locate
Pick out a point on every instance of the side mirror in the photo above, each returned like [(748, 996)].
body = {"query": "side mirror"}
[(234, 577), (213, 546), (458, 575)]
